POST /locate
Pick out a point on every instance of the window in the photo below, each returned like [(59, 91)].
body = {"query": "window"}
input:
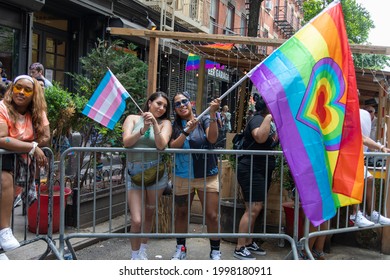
[(213, 16), (230, 20), (243, 25), (9, 47)]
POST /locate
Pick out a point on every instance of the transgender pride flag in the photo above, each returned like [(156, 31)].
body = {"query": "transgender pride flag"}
[(108, 102)]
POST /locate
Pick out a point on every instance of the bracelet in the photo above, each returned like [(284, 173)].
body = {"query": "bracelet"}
[(141, 132), (213, 119), (158, 133), (185, 133), (32, 151)]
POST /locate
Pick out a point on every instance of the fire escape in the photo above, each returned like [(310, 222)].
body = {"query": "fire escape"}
[(284, 18)]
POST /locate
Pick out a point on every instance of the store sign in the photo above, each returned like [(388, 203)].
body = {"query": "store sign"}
[(220, 74)]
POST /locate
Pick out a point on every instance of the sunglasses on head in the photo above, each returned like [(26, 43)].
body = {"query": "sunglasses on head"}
[(26, 91), (181, 102)]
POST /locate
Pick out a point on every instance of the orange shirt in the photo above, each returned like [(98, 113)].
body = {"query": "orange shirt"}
[(23, 129)]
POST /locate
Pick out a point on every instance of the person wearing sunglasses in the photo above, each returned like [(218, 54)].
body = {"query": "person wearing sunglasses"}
[(151, 129), (24, 128), (191, 133)]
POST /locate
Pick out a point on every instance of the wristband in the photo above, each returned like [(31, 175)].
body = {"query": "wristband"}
[(186, 134), (32, 151)]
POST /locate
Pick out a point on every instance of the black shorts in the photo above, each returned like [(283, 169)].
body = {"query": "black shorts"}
[(8, 162), (258, 181)]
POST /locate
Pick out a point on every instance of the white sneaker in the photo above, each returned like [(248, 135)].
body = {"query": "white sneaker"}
[(7, 240), (180, 253), (377, 218), (360, 220), (215, 255), (3, 257), (142, 255)]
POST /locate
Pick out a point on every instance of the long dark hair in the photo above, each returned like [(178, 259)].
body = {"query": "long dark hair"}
[(154, 96), (177, 118)]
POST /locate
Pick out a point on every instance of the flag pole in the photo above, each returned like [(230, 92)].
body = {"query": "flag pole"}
[(239, 82), (135, 103)]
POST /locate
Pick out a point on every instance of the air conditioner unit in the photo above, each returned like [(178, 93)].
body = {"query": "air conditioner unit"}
[(268, 5)]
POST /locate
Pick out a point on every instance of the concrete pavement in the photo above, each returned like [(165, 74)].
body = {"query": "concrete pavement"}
[(163, 248)]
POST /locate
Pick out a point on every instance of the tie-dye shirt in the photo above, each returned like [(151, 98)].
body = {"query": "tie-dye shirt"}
[(23, 129)]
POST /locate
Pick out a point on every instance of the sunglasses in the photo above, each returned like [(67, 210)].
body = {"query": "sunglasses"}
[(26, 91), (181, 102)]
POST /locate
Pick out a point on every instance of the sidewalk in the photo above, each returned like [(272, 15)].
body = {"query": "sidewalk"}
[(163, 248)]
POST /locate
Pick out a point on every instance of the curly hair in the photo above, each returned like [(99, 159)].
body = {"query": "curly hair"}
[(36, 107)]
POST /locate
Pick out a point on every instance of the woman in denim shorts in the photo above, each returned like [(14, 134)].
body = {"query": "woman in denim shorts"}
[(151, 129)]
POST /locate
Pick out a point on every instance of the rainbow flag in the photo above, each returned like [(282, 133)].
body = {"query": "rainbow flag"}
[(309, 85), (108, 102), (193, 63)]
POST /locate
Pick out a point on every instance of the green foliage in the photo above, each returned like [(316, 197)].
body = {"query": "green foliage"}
[(357, 19), (358, 24), (371, 61), (128, 69), (286, 178), (63, 108)]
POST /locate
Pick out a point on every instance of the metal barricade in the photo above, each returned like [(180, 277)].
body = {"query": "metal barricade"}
[(99, 205), (341, 223), (23, 222)]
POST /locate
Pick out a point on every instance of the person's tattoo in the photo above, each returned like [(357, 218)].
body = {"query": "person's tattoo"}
[(7, 140)]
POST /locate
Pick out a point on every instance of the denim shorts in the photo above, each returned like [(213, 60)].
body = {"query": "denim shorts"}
[(134, 168)]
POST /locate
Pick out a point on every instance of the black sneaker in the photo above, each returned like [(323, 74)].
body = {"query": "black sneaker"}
[(255, 249), (243, 254)]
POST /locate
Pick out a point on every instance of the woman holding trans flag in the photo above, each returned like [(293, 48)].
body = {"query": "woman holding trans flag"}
[(151, 129), (191, 172)]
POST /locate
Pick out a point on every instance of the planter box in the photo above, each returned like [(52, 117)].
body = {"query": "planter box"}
[(85, 217)]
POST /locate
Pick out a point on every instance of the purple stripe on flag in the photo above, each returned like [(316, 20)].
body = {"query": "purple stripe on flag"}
[(296, 155)]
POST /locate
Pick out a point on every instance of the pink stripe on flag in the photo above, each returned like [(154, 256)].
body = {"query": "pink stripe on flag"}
[(113, 105), (108, 89)]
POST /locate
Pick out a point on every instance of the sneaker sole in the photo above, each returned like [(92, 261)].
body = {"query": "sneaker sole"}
[(258, 253), (6, 249), (364, 226), (243, 258)]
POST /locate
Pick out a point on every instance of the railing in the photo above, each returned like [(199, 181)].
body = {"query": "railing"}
[(104, 202), (33, 217), (118, 226)]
